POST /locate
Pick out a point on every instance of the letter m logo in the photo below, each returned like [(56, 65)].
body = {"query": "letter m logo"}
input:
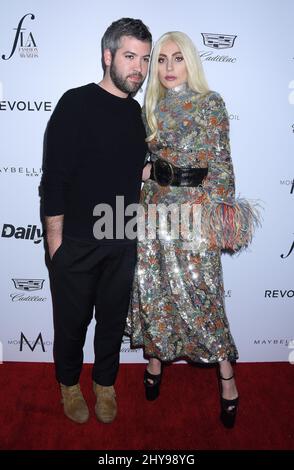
[(32, 348)]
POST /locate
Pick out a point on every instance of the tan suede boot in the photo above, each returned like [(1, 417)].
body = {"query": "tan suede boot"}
[(75, 407), (106, 407)]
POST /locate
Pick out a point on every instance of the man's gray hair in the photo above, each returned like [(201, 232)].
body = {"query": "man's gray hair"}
[(124, 27)]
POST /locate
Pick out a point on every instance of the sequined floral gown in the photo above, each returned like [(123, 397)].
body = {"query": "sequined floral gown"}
[(177, 303)]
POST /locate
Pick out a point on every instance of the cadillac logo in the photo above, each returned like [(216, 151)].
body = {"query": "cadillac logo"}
[(218, 41), (28, 284)]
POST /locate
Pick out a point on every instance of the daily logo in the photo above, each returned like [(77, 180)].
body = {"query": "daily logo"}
[(31, 232)]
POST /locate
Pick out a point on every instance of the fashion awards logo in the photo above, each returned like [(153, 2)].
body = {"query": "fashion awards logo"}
[(288, 253), (27, 285), (24, 41), (31, 232), (217, 42)]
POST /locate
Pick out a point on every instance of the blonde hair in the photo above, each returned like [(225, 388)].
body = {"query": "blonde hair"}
[(155, 91)]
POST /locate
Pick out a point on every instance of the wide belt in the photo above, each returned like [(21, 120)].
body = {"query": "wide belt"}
[(167, 174)]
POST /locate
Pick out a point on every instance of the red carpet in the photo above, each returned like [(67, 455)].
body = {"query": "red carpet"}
[(184, 417)]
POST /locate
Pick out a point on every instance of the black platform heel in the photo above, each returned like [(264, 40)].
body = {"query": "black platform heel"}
[(152, 389), (228, 407)]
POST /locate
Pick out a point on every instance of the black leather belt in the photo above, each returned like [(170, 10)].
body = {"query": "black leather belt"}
[(166, 174)]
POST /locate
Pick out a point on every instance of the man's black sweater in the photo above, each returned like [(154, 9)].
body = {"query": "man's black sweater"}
[(95, 150)]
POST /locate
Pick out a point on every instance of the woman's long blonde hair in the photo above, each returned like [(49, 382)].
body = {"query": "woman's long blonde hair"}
[(155, 91)]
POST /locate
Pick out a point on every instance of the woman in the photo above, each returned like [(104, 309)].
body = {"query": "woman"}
[(177, 306)]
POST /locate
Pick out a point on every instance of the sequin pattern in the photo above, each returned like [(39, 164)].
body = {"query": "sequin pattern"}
[(177, 303)]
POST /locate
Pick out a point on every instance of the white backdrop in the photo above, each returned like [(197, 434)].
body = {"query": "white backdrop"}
[(57, 47)]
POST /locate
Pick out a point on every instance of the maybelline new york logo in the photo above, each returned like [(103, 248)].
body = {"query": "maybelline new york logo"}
[(24, 41), (31, 232), (287, 342), (217, 42), (274, 341), (20, 170)]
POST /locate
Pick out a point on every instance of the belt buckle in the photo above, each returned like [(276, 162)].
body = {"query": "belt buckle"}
[(167, 179)]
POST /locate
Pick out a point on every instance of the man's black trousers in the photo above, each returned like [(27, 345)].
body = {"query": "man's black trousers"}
[(87, 276)]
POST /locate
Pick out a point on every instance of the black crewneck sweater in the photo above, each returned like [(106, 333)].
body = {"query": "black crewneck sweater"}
[(95, 150)]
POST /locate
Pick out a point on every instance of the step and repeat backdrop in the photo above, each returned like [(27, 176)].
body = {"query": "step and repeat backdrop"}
[(247, 49)]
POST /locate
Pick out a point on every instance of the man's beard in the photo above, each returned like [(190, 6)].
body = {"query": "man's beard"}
[(122, 83)]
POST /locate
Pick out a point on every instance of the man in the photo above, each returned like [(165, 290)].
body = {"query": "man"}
[(95, 152)]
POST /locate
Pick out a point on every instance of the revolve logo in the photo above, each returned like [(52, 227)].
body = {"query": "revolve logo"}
[(279, 293), (26, 106), (25, 41)]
